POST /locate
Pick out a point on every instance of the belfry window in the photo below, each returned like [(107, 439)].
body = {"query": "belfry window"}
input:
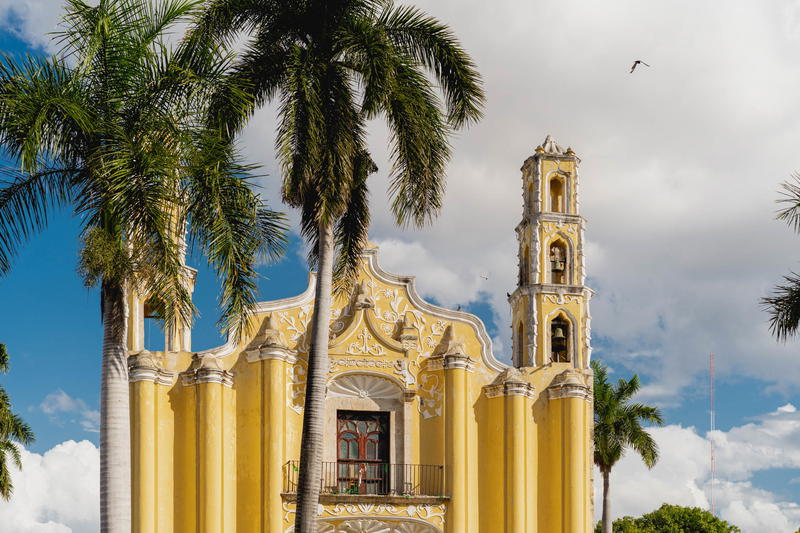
[(559, 341), (154, 339), (558, 263), (556, 196)]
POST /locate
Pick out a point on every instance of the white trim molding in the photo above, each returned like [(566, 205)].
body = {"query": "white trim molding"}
[(511, 382), (206, 368), (144, 366), (569, 384)]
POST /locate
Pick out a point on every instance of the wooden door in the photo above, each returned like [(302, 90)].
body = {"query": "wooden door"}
[(362, 444)]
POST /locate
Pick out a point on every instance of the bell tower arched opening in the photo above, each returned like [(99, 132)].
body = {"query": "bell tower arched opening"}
[(560, 349), (559, 263), (557, 195)]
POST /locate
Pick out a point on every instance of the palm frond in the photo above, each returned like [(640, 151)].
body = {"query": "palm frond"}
[(231, 225), (783, 307), (25, 202), (790, 198), (419, 147), (352, 228), (433, 44), (4, 364)]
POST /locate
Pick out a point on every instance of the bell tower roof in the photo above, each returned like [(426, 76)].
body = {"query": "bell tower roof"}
[(551, 147)]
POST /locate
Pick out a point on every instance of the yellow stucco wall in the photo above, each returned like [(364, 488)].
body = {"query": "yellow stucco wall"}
[(212, 432)]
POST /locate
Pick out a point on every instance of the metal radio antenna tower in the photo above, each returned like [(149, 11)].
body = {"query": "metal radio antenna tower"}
[(710, 437)]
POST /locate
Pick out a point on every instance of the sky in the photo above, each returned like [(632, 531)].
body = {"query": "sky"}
[(681, 166)]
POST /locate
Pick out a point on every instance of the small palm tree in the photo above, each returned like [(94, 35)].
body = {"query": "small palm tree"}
[(110, 128), (618, 426), (12, 430), (783, 305), (331, 66)]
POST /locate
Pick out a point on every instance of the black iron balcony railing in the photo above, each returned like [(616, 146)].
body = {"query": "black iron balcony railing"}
[(375, 478)]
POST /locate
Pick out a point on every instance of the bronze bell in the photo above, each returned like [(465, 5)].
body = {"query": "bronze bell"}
[(558, 265), (559, 340)]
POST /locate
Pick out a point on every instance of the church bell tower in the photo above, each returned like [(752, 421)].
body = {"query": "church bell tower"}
[(550, 306)]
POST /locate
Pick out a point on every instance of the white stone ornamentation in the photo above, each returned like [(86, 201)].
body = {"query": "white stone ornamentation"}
[(366, 345), (363, 386)]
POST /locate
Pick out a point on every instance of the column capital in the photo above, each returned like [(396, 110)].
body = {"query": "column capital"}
[(146, 366), (457, 362), (570, 384), (206, 368), (510, 382)]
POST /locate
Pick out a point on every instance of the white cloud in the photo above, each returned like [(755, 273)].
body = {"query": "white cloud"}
[(682, 475), (681, 163), (32, 20), (56, 492), (59, 405)]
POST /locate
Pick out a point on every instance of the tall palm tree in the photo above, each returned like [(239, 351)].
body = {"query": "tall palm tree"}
[(12, 430), (618, 426), (110, 128), (783, 306), (331, 66)]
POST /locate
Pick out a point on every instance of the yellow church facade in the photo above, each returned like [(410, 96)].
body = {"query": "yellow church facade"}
[(425, 430)]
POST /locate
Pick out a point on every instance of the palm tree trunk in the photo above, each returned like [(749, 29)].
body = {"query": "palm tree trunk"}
[(308, 485), (606, 503), (115, 452)]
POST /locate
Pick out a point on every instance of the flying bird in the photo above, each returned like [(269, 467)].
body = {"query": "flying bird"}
[(637, 63), (508, 295), (484, 277)]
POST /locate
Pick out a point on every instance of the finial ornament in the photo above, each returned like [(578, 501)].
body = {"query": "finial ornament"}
[(271, 336), (550, 146), (450, 344)]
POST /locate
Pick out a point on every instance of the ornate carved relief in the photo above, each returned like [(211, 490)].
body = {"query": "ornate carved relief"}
[(296, 387), (423, 518), (430, 394), (363, 386), (366, 344), (561, 299), (375, 526), (297, 327), (435, 513)]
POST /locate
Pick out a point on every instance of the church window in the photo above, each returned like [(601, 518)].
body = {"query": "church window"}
[(558, 263), (557, 195), (521, 342), (362, 443), (559, 341)]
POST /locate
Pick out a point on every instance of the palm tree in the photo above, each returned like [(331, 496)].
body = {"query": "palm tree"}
[(331, 66), (783, 306), (617, 426), (12, 430), (110, 128)]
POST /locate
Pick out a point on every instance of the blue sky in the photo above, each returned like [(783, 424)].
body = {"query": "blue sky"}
[(680, 167)]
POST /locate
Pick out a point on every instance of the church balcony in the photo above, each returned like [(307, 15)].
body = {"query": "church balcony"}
[(360, 481)]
